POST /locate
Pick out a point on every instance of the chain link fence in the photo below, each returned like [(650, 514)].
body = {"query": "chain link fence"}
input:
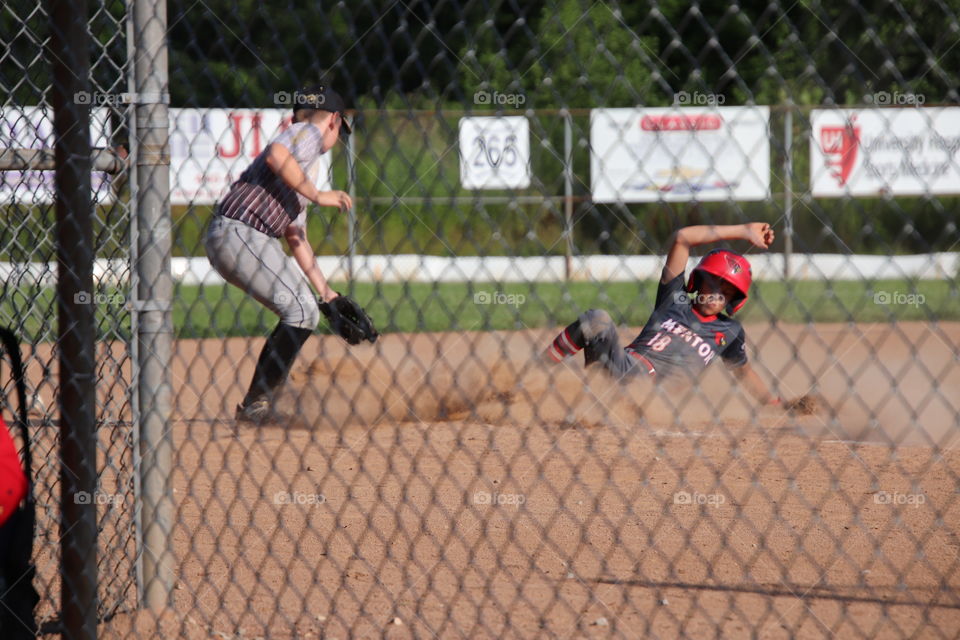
[(511, 167), (28, 304)]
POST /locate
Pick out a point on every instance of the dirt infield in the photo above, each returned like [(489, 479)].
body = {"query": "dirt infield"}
[(452, 486)]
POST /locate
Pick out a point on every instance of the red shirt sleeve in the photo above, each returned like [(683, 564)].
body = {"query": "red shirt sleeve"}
[(13, 482)]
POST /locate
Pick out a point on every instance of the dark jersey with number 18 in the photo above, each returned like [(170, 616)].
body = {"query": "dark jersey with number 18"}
[(676, 338)]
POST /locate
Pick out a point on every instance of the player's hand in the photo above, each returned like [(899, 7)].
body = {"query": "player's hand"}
[(328, 295), (339, 199), (760, 234)]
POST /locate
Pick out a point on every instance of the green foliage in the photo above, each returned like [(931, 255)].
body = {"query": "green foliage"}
[(434, 57), (581, 55)]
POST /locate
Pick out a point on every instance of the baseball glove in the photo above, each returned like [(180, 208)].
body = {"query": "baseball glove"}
[(348, 320)]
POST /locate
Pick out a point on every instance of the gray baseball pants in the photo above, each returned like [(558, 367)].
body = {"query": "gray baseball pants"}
[(256, 263)]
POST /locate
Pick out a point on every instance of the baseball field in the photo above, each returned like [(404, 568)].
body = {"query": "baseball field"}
[(475, 176), (451, 485)]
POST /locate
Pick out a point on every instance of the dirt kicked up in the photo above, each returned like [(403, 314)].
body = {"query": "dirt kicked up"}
[(452, 486)]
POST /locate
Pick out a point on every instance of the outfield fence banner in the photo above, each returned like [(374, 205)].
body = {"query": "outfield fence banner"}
[(210, 148), (680, 154), (495, 153), (907, 151), (31, 127)]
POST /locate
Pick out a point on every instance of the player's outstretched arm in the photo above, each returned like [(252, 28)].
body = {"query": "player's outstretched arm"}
[(303, 253), (760, 234), (804, 405), (282, 163), (754, 384)]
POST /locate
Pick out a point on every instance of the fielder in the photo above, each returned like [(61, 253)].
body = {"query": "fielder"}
[(688, 329), (267, 203)]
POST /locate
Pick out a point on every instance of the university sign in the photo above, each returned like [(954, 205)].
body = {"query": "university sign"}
[(872, 152)]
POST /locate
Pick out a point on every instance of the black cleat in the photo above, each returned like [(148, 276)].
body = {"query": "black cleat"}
[(259, 412)]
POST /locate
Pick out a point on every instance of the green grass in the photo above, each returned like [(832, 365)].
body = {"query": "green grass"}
[(218, 311), (412, 307)]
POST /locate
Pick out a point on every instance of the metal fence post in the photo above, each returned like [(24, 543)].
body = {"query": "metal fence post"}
[(153, 298), (132, 391), (788, 192), (568, 190), (352, 212), (70, 60)]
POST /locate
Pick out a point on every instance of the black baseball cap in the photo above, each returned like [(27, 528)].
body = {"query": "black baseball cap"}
[(323, 98)]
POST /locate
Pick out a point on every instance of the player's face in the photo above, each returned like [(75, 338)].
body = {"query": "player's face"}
[(714, 295), (329, 124)]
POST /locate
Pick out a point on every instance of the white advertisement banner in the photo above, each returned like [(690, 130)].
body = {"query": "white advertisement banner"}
[(32, 128), (495, 152), (679, 154), (210, 148), (871, 152)]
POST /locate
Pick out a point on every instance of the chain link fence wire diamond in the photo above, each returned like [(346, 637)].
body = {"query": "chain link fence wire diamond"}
[(511, 167)]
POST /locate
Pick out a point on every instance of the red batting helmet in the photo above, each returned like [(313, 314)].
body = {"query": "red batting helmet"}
[(13, 482), (729, 266)]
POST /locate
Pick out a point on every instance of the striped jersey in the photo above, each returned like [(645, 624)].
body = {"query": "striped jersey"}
[(260, 198)]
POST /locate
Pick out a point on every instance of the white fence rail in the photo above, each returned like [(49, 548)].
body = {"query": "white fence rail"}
[(599, 268)]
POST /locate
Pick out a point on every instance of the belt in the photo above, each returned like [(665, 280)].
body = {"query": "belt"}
[(220, 215), (646, 363)]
